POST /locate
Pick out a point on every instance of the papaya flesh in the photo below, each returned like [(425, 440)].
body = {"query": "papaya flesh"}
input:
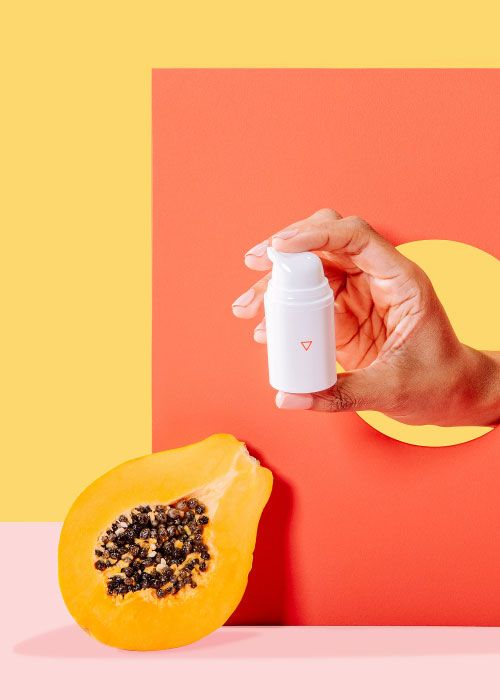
[(156, 552)]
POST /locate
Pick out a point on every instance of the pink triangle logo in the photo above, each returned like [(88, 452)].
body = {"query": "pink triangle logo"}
[(306, 344)]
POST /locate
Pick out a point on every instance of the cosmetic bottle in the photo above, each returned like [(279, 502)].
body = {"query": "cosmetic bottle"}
[(300, 329)]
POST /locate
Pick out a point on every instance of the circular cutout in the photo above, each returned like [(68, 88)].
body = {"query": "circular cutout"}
[(467, 281)]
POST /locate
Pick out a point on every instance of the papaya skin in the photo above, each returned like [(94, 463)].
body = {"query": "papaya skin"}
[(235, 489)]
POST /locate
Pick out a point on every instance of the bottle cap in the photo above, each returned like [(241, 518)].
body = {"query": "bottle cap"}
[(297, 272)]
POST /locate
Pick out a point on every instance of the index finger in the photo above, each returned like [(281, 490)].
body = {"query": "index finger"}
[(350, 240), (256, 258)]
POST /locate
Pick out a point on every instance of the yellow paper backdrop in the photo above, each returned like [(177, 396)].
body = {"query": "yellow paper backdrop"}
[(75, 191)]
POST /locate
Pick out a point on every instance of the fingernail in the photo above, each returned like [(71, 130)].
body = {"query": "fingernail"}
[(245, 298), (295, 402), (287, 233), (257, 250), (259, 335)]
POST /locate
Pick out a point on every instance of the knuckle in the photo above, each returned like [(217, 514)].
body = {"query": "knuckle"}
[(327, 213), (360, 233), (337, 399), (358, 222), (420, 276), (421, 284)]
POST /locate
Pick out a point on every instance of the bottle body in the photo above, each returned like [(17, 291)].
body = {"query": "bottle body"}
[(300, 342)]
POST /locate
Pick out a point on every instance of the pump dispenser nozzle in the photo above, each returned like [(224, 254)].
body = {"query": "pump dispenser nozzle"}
[(296, 270)]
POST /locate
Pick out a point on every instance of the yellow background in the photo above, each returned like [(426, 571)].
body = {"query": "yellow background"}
[(75, 190)]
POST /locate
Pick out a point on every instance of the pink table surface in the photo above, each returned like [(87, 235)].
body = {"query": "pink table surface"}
[(44, 654)]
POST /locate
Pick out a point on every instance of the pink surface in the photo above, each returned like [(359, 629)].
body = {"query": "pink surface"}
[(44, 654)]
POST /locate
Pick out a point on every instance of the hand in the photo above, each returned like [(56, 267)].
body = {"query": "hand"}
[(393, 336)]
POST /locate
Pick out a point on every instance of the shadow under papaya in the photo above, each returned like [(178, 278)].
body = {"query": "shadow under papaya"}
[(268, 598)]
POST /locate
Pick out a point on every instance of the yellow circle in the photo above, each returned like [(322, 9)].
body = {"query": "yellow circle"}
[(467, 281)]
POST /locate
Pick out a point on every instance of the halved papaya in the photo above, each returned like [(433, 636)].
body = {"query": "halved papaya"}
[(156, 552)]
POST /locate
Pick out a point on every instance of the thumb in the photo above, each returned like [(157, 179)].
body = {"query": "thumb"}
[(359, 390)]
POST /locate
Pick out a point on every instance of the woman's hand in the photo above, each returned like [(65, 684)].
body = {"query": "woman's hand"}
[(393, 336)]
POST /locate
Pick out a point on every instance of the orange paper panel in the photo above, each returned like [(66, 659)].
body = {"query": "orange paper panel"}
[(360, 529)]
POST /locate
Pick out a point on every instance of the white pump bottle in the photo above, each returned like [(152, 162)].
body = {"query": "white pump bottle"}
[(299, 324)]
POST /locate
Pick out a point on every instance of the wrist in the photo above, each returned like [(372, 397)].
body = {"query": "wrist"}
[(479, 393)]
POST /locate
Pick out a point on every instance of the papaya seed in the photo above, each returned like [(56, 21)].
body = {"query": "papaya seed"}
[(156, 548)]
